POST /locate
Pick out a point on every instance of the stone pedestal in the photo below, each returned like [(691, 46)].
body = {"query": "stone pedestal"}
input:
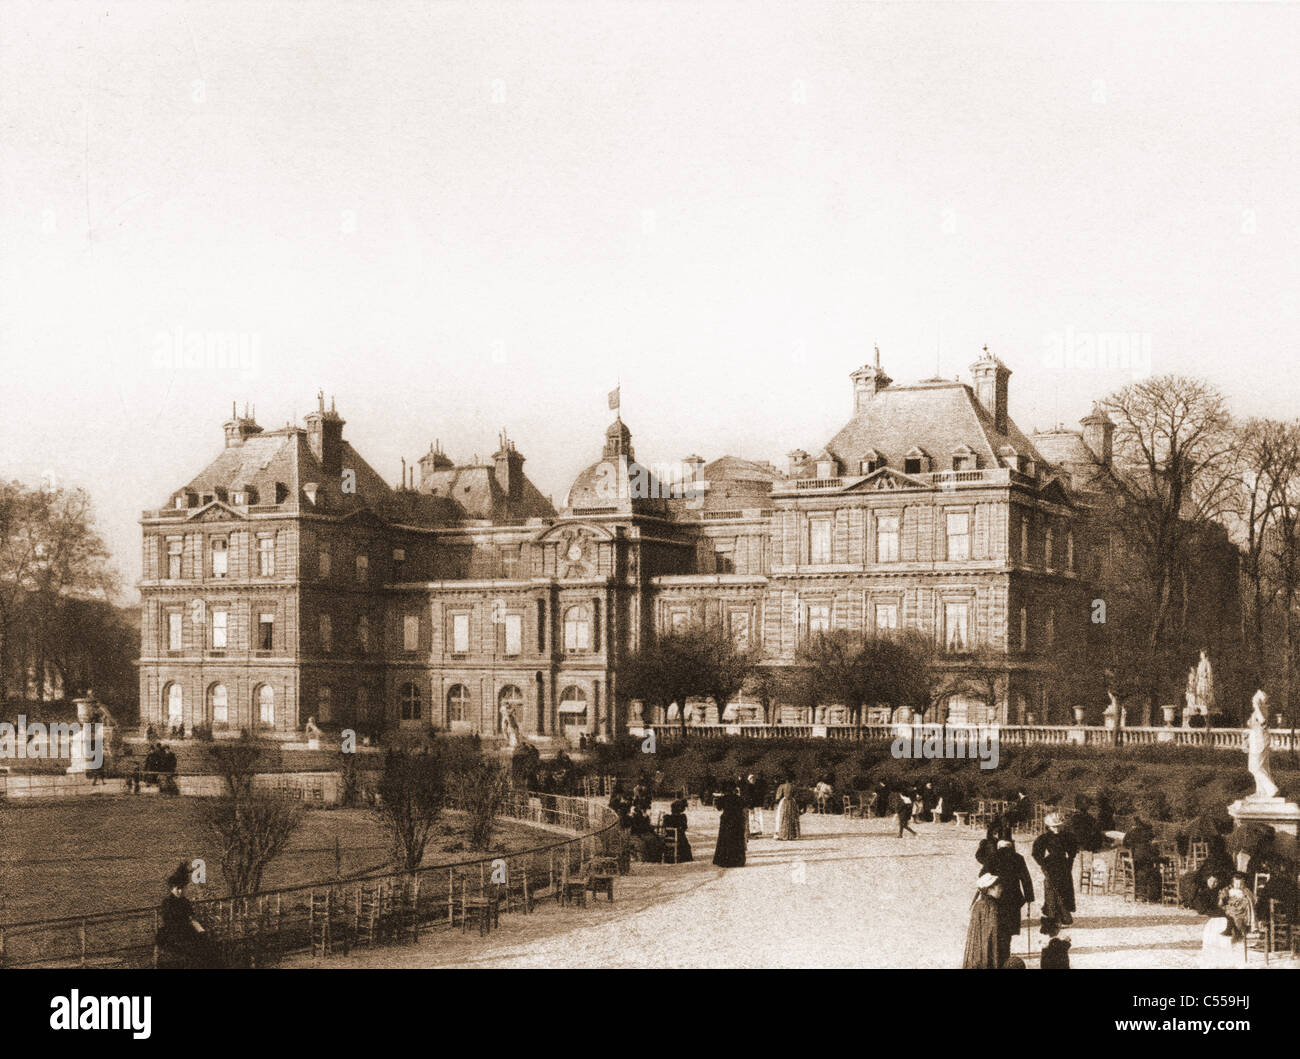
[(1279, 814)]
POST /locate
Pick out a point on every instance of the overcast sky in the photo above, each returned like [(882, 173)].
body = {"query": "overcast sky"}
[(458, 218)]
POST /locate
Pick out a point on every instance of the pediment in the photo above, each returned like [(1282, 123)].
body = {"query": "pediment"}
[(1055, 492), (569, 530), (216, 511), (886, 479)]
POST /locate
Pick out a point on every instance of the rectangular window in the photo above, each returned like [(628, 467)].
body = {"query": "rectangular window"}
[(363, 633), (265, 556), (1024, 539), (678, 620), (740, 628), (886, 538), (886, 617), (218, 629), (363, 568), (956, 627), (819, 540), (1048, 538), (326, 633), (510, 561), (411, 632), (514, 634), (819, 618), (175, 631), (175, 549), (220, 557), (1069, 550), (325, 703), (1024, 628), (460, 634), (266, 632), (326, 560), (1049, 632), (958, 525)]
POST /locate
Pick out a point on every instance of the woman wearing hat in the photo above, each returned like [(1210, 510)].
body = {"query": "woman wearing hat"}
[(1054, 851), (982, 936), (787, 810), (181, 938), (676, 820)]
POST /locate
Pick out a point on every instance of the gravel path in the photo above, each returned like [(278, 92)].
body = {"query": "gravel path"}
[(848, 894)]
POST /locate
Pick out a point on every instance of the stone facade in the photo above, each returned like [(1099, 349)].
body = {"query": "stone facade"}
[(288, 580)]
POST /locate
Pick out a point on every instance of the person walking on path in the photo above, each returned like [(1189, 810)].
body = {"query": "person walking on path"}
[(1054, 851), (982, 934), (787, 811), (1017, 893), (906, 800), (730, 850)]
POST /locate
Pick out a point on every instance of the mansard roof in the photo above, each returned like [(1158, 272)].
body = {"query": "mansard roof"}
[(937, 416), (474, 491), (283, 458)]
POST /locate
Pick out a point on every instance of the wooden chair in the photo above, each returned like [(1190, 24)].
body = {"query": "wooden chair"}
[(601, 877), (1197, 853), (1125, 878), (1279, 933), (1169, 885), (1086, 859), (574, 886), (851, 810), (484, 909), (367, 918), (669, 835), (318, 922)]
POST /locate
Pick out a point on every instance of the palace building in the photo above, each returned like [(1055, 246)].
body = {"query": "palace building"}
[(288, 580)]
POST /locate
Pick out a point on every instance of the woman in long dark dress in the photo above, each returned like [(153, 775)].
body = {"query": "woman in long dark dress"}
[(181, 939), (730, 852), (982, 934), (676, 820)]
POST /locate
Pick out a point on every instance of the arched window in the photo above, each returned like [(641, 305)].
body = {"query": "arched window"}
[(409, 696), (573, 707), (577, 628), (218, 705), (174, 699), (512, 699), (457, 703), (265, 697)]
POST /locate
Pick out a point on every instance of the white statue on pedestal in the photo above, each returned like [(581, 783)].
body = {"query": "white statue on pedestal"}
[(509, 726), (1257, 748)]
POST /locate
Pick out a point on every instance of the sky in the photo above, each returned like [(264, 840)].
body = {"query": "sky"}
[(458, 219)]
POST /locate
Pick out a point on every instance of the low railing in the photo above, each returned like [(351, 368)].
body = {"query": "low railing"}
[(1008, 734), (327, 916)]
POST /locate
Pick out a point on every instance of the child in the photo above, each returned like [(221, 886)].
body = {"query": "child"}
[(1238, 905), (1056, 953)]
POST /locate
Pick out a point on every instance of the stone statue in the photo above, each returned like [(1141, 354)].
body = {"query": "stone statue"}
[(509, 726), (313, 732), (1111, 714), (1204, 683), (1257, 748)]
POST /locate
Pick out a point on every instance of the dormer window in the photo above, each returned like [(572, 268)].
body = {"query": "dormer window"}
[(826, 466), (916, 462), (872, 461), (963, 459), (1011, 458), (221, 494), (281, 492)]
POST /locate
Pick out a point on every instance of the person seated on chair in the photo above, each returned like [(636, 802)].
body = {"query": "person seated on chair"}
[(1238, 907), (1140, 841), (621, 804), (676, 819), (650, 845)]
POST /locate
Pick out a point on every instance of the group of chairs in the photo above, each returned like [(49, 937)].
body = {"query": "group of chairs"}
[(1275, 926)]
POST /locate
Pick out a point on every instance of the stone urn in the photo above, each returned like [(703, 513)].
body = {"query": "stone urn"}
[(1168, 711), (1031, 718), (1078, 715)]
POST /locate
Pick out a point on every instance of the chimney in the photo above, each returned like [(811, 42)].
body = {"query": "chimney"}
[(433, 461), (692, 465), (325, 436), (991, 377), (1098, 434), (795, 461), (508, 467), (868, 381), (239, 428)]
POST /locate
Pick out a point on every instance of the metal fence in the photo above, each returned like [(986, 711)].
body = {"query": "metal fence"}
[(338, 915)]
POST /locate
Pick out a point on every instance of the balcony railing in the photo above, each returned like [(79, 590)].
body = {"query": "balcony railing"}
[(1007, 734)]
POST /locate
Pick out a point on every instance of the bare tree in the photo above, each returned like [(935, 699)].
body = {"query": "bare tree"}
[(251, 827), (1176, 470), (480, 788), (410, 801)]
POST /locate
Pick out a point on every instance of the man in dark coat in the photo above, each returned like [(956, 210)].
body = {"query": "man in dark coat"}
[(1054, 851), (881, 806), (730, 850), (1017, 892)]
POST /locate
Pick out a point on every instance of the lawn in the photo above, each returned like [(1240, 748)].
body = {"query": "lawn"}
[(97, 854)]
